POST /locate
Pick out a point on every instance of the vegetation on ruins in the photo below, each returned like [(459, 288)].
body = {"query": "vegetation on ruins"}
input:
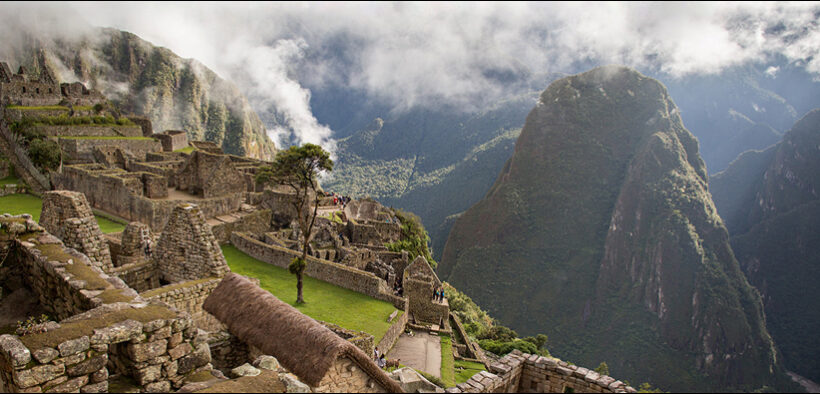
[(330, 303), (414, 238), (300, 168)]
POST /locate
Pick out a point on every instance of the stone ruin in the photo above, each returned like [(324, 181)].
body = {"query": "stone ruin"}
[(172, 140), (22, 89), (187, 249), (68, 216)]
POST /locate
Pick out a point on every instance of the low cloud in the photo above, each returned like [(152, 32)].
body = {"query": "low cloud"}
[(464, 55)]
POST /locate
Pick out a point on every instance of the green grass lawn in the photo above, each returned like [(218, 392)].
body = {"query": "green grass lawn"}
[(466, 369), (42, 107), (16, 204), (323, 301), (447, 362), (187, 149), (9, 180)]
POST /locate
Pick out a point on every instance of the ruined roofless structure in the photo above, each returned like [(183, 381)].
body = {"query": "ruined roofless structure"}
[(302, 345), (23, 89)]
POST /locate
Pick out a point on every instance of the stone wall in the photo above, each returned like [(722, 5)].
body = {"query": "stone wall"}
[(189, 296), (419, 293), (68, 216), (81, 150), (5, 168), (360, 339), (168, 169), (344, 376), (209, 175), (121, 196), (136, 238), (393, 333), (526, 373), (90, 130), (140, 276), (144, 123), (172, 140), (66, 282), (5, 190), (337, 274), (187, 249), (256, 222), (148, 343)]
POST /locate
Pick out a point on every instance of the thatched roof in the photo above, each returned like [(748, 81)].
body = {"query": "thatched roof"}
[(301, 344)]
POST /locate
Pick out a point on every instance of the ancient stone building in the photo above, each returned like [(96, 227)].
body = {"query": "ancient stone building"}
[(187, 249), (311, 351), (419, 283), (172, 140), (209, 175), (106, 333), (22, 89), (68, 216)]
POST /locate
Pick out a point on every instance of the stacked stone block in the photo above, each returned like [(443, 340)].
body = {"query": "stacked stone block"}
[(135, 238), (172, 140), (68, 216), (344, 376), (187, 249), (189, 297), (529, 373), (157, 354)]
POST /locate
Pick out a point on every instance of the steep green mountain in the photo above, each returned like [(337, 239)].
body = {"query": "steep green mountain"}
[(141, 78), (600, 232), (772, 206), (435, 163)]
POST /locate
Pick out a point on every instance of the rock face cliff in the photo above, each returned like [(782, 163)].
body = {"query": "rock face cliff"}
[(771, 204), (175, 93), (600, 231)]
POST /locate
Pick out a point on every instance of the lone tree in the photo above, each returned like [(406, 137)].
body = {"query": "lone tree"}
[(299, 168)]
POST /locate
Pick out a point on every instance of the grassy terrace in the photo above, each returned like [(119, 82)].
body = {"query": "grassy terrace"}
[(16, 204), (323, 301), (187, 149), (466, 369), (447, 362), (9, 180)]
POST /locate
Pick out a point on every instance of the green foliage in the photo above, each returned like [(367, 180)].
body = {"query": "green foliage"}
[(45, 153), (498, 333), (296, 266), (434, 380), (602, 368), (447, 362), (466, 369), (98, 108), (32, 325), (414, 238), (647, 388), (472, 317), (503, 347)]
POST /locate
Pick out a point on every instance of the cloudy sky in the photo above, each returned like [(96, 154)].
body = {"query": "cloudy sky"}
[(407, 54)]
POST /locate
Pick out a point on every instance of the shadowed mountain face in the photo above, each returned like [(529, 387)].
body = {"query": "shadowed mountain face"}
[(771, 205), (600, 232), (175, 93)]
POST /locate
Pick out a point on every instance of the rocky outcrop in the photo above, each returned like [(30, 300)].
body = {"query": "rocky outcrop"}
[(600, 231)]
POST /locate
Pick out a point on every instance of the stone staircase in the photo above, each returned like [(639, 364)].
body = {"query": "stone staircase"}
[(22, 164)]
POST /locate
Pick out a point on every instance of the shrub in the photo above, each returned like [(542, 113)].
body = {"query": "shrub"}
[(503, 347), (44, 153)]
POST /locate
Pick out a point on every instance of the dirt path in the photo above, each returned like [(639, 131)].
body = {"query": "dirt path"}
[(421, 352)]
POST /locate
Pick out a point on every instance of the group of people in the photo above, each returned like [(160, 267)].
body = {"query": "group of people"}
[(338, 199), (398, 290), (438, 295), (379, 358)]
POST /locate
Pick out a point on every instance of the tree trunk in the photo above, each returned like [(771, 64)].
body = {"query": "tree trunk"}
[(299, 299)]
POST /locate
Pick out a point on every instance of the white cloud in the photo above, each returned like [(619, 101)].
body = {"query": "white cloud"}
[(407, 54)]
